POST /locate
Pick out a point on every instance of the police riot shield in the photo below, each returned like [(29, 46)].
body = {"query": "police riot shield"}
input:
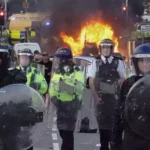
[(86, 121), (22, 116), (66, 91), (39, 67), (137, 107)]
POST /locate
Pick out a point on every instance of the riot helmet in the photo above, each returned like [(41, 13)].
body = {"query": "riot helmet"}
[(4, 55), (65, 55), (106, 47), (63, 58), (25, 57), (141, 59)]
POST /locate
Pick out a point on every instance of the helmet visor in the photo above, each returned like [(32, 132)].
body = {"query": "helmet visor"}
[(24, 61), (141, 63), (106, 50), (144, 65)]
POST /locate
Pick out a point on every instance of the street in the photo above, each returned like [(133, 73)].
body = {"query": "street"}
[(83, 141)]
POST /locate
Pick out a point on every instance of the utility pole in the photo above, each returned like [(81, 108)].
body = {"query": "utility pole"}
[(127, 10), (5, 8), (26, 9)]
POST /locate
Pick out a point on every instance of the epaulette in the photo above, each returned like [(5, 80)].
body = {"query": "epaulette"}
[(10, 69), (98, 57), (13, 71), (118, 58)]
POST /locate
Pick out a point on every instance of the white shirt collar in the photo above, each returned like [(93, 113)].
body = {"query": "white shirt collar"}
[(109, 59)]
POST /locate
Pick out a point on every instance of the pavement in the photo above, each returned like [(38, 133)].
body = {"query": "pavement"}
[(83, 141)]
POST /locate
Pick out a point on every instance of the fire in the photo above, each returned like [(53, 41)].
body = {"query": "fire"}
[(91, 32)]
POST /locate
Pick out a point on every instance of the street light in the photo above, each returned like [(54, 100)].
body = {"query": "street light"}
[(124, 8)]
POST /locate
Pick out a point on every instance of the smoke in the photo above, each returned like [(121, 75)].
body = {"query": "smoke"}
[(68, 15)]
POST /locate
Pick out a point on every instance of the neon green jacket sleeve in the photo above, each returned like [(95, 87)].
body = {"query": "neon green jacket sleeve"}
[(42, 82), (54, 85), (80, 84)]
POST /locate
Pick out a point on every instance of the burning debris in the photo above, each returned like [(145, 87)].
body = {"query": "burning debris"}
[(92, 31), (78, 22)]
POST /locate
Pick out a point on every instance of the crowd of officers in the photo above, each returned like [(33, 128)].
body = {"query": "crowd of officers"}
[(107, 81)]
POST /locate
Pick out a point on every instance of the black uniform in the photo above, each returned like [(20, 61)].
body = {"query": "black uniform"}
[(12, 76), (107, 74), (131, 140), (48, 67), (8, 77)]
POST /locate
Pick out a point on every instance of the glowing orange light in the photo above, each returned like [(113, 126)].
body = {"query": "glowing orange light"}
[(92, 32)]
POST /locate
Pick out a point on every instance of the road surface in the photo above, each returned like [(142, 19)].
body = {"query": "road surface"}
[(83, 141)]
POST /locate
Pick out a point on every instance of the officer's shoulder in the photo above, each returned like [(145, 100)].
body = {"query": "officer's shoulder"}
[(97, 58), (14, 71), (120, 59), (129, 81), (17, 74), (11, 69)]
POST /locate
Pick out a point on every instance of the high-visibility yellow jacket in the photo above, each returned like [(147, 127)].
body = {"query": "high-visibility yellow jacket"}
[(75, 80), (5, 33), (36, 80)]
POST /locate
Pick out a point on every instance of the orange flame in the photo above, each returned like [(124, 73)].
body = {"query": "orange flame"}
[(92, 32)]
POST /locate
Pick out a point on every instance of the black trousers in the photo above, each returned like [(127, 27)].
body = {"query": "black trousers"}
[(105, 137), (67, 140)]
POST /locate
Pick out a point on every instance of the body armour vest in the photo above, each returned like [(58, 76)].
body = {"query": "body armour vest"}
[(107, 76)]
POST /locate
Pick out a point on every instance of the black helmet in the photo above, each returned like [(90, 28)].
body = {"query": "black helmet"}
[(141, 52)]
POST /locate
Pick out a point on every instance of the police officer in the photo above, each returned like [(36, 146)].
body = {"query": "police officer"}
[(5, 34), (8, 76), (105, 74), (66, 89), (35, 78), (130, 115)]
